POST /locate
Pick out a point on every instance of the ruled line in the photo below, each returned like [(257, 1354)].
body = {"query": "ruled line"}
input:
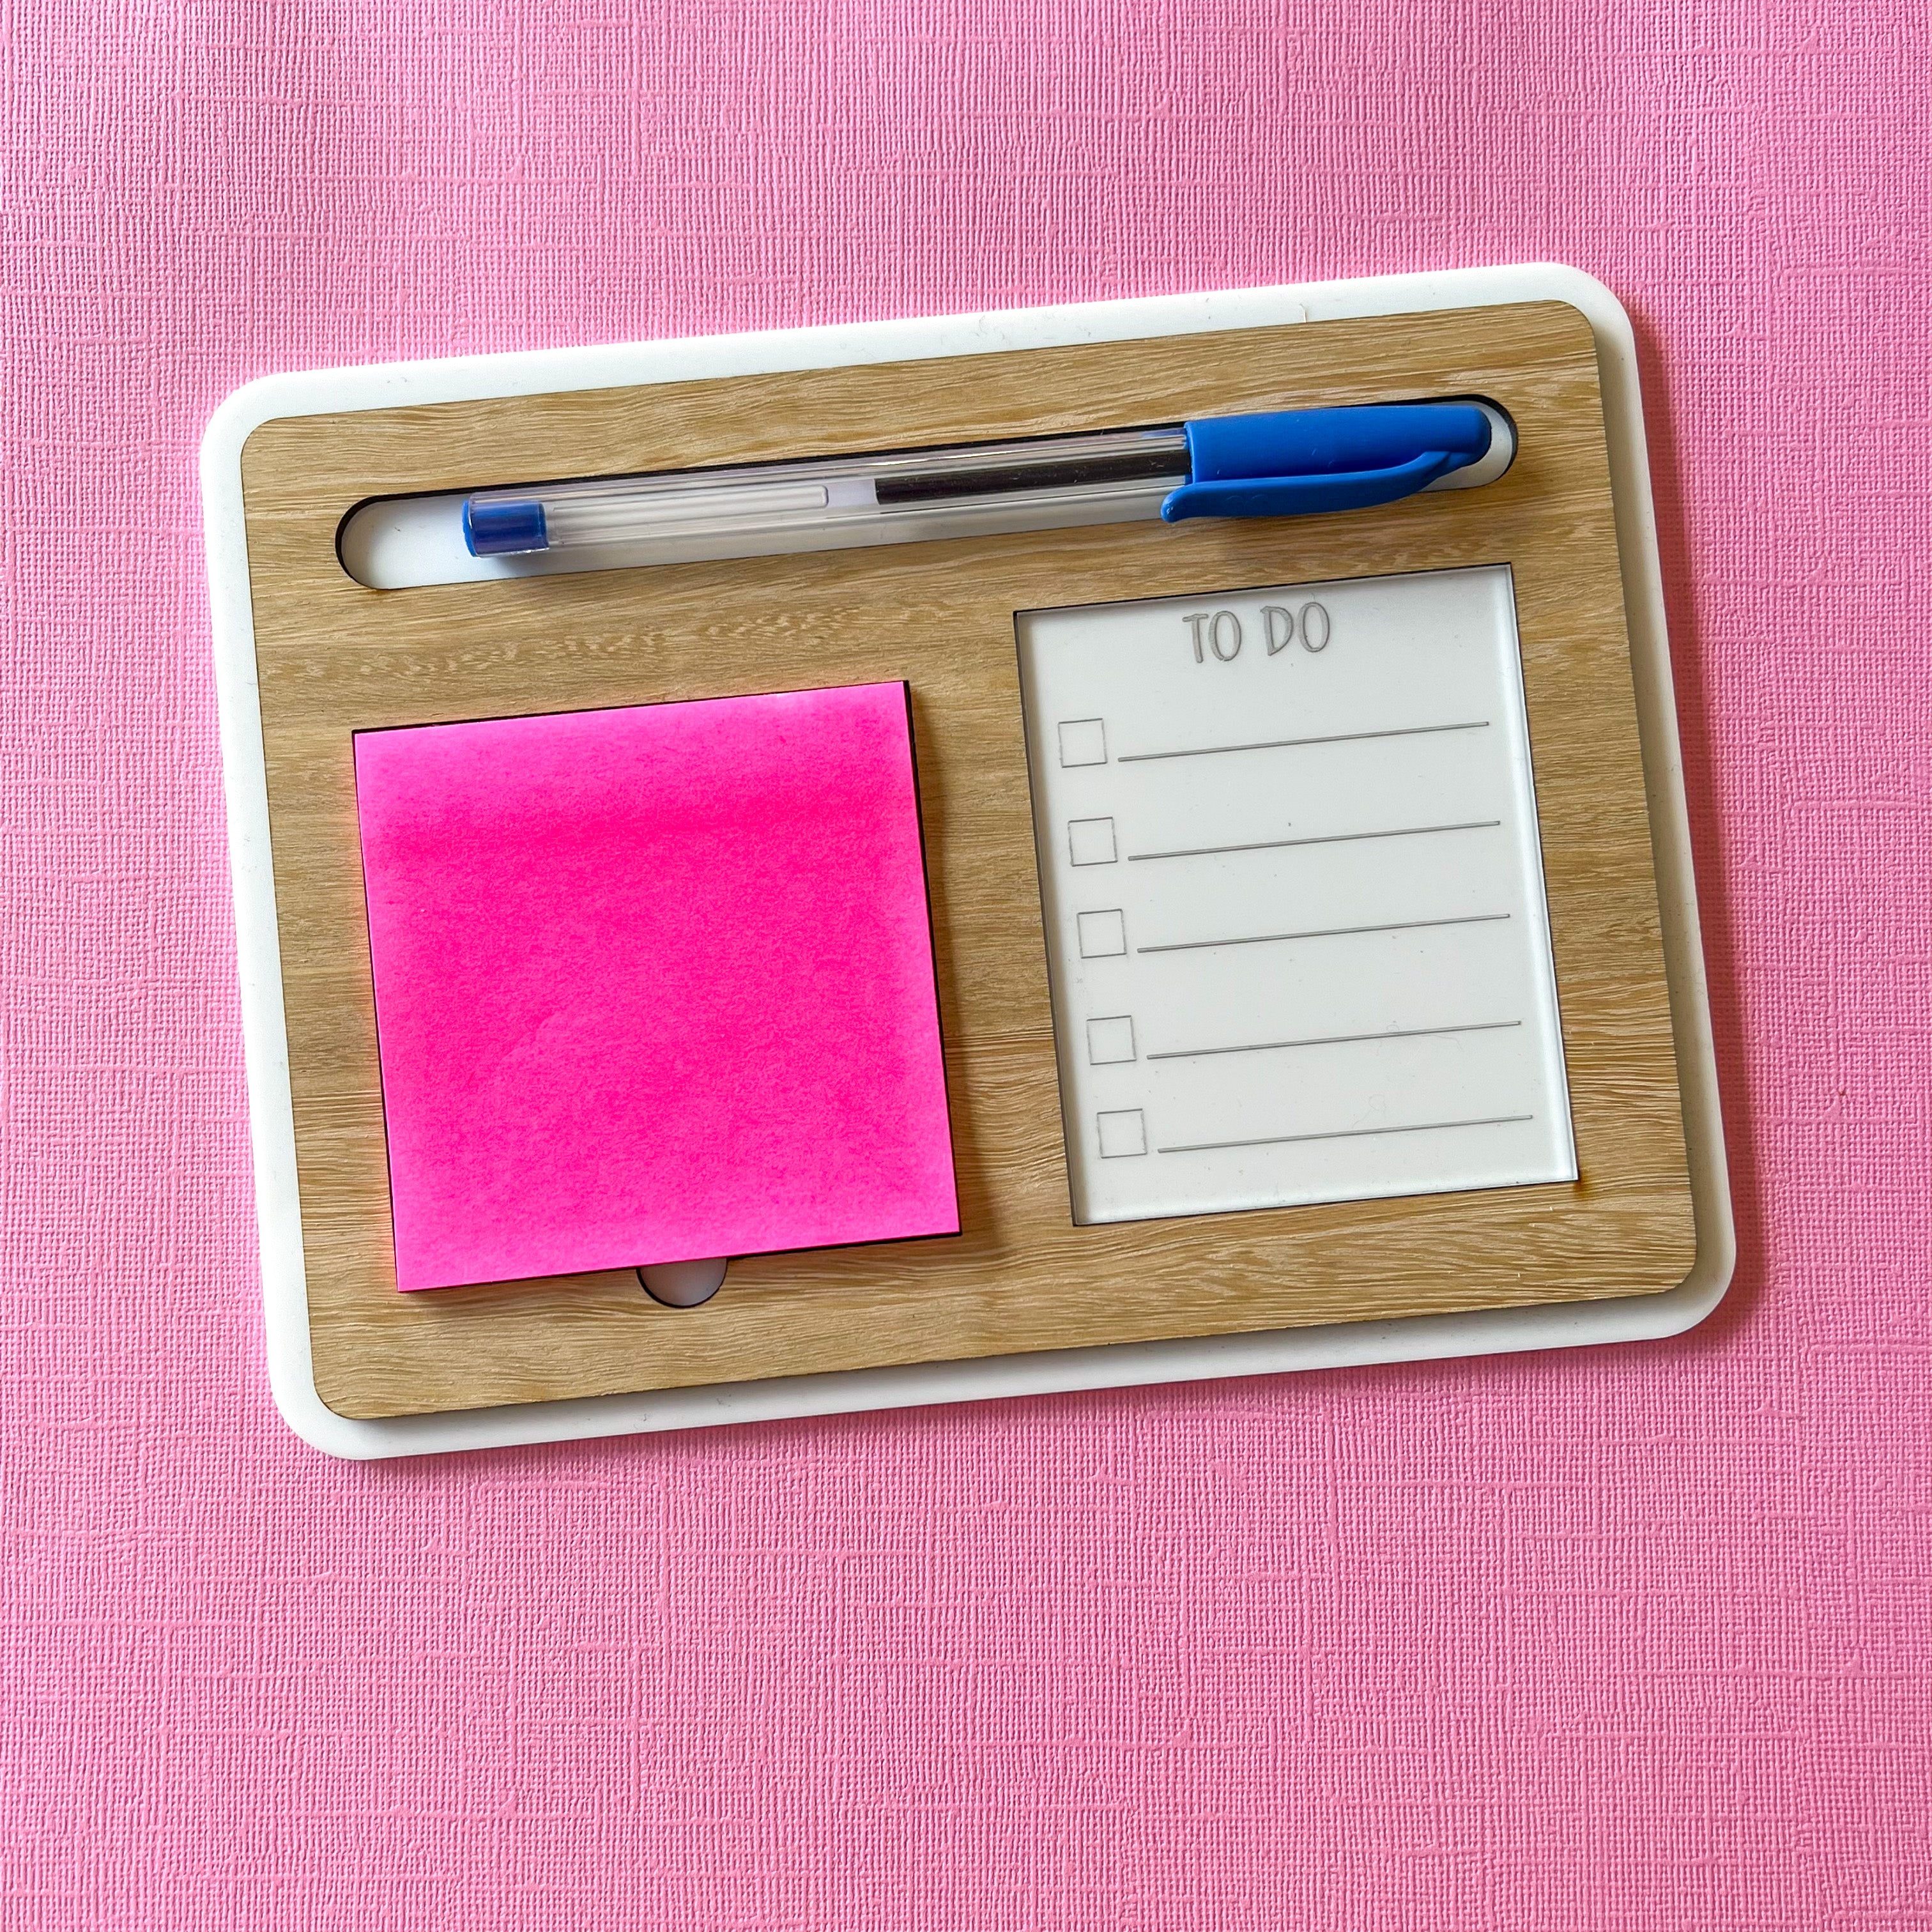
[(1336, 1039), (1348, 1134), (1327, 932), (1294, 744), (1329, 838)]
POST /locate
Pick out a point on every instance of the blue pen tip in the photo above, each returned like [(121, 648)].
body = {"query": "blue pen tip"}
[(504, 529)]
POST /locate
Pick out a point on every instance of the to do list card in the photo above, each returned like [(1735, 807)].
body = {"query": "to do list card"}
[(653, 984), (1295, 919)]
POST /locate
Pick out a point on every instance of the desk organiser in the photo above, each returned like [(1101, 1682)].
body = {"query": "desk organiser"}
[(1093, 709)]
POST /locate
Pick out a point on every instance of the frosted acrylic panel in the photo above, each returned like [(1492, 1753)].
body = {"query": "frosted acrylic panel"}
[(1294, 896)]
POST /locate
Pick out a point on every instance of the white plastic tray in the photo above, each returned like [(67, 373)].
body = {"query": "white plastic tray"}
[(271, 1123)]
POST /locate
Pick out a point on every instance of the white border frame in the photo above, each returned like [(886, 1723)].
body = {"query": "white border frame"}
[(284, 1291)]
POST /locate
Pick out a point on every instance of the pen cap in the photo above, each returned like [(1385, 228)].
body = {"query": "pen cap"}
[(1301, 462), (1328, 442)]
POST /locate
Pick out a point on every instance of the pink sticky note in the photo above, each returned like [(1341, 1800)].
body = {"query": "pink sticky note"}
[(653, 985)]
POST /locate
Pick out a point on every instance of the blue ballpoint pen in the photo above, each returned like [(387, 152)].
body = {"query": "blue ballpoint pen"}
[(1284, 463)]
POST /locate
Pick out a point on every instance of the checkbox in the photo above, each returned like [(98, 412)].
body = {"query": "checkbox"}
[(1083, 741), (1103, 935), (1123, 1134), (1090, 842), (1110, 1041)]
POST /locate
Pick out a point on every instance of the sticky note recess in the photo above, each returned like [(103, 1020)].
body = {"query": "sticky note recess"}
[(653, 984)]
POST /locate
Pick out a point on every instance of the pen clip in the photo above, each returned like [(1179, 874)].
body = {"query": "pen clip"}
[(1294, 463)]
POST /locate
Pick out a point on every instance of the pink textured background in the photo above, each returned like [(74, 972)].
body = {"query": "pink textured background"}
[(1637, 1637)]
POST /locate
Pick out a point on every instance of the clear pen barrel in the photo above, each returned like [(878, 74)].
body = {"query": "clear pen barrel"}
[(833, 502)]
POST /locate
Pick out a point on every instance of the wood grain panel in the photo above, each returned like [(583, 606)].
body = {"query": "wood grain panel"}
[(334, 658)]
